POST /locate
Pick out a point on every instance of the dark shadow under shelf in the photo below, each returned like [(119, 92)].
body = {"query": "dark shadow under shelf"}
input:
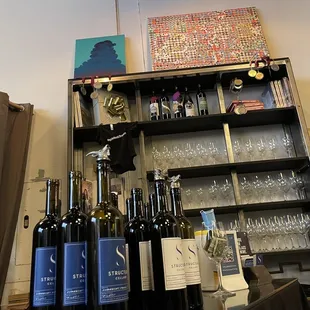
[(197, 123), (294, 163), (252, 207)]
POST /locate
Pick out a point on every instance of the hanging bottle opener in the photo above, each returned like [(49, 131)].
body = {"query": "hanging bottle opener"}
[(82, 88), (110, 85), (98, 85), (94, 94)]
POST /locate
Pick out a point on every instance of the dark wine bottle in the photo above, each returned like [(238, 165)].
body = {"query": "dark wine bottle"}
[(71, 251), (190, 255), (189, 107), (129, 209), (106, 250), (114, 199), (152, 204), (147, 211), (165, 105), (177, 104), (137, 236), (168, 264), (202, 104), (43, 266), (154, 108)]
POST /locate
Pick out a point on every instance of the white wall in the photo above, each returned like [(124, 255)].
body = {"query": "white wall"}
[(37, 55)]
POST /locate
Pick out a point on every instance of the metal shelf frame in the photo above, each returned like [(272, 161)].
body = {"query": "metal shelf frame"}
[(136, 78)]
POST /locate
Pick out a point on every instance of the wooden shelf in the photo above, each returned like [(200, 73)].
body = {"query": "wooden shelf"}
[(197, 123), (252, 207), (294, 163)]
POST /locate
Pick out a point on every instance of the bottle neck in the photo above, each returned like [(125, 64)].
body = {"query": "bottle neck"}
[(176, 201), (129, 210), (161, 197), (153, 205), (137, 205), (75, 192), (103, 181), (50, 208)]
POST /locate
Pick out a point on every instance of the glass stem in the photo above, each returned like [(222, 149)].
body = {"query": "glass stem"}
[(221, 288)]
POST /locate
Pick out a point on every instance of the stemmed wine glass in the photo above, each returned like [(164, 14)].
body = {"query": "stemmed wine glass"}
[(258, 188), (249, 148), (214, 152), (261, 146), (226, 190), (272, 145), (288, 145), (270, 186), (215, 246), (213, 191), (246, 190), (283, 185), (237, 150)]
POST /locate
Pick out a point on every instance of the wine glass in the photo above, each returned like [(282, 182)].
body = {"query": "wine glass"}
[(237, 150), (215, 246), (213, 151), (246, 190), (288, 145), (258, 188), (270, 186), (272, 145), (190, 154), (261, 147), (226, 190), (213, 191), (283, 185), (249, 148)]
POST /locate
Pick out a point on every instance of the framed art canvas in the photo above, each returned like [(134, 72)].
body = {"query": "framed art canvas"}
[(205, 39), (103, 56)]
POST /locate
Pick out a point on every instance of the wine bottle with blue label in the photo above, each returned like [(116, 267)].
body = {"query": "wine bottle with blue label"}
[(44, 255), (71, 254), (107, 284)]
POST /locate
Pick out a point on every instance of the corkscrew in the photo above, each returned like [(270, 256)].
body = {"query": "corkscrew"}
[(102, 154)]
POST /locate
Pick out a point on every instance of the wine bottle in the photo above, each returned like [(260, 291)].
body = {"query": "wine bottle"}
[(189, 108), (137, 236), (57, 198), (152, 204), (106, 250), (129, 209), (71, 251), (147, 211), (167, 257), (43, 266), (165, 105), (190, 253), (154, 108), (114, 199), (177, 103), (202, 104)]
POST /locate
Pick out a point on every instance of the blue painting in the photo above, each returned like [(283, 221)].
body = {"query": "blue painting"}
[(103, 56)]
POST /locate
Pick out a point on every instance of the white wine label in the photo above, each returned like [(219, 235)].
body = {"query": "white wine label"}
[(189, 109), (154, 108), (151, 265), (203, 104), (191, 263), (173, 261), (128, 270), (145, 266)]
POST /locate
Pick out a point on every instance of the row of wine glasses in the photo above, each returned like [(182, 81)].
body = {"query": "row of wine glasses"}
[(262, 148), (278, 233), (214, 194), (188, 154), (269, 188)]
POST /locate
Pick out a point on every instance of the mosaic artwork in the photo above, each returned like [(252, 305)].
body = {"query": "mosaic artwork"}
[(205, 39)]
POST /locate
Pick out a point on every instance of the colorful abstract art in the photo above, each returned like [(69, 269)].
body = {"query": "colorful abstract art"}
[(205, 39), (103, 56)]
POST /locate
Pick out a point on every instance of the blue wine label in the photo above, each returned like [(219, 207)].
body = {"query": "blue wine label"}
[(44, 277), (112, 271), (75, 275)]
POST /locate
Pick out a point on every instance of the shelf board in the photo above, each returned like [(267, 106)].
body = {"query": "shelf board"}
[(252, 207), (284, 252), (261, 117), (89, 134), (197, 123), (294, 163)]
